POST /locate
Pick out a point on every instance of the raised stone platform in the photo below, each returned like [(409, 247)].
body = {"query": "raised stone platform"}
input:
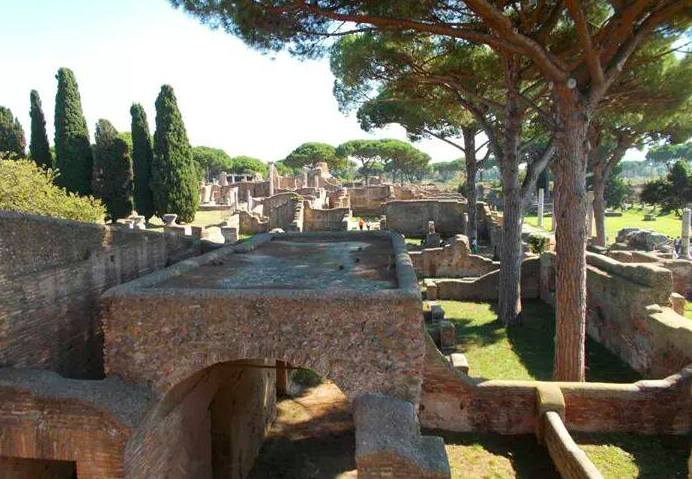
[(344, 304)]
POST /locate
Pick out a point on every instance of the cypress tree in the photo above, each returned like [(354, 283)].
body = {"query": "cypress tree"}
[(73, 155), (11, 133), (142, 157), (112, 180), (39, 147), (174, 180)]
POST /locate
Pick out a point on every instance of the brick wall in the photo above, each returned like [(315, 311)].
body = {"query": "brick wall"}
[(453, 260), (51, 275), (410, 217), (325, 220)]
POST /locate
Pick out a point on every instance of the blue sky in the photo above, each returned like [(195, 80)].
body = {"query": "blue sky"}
[(122, 51)]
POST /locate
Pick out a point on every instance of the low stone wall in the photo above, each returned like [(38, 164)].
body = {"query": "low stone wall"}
[(288, 215), (411, 217), (251, 223), (629, 313), (453, 401), (486, 287), (335, 219), (569, 459), (52, 273), (681, 268), (453, 260)]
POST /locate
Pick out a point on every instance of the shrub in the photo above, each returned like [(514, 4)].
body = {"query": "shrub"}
[(26, 187), (538, 243)]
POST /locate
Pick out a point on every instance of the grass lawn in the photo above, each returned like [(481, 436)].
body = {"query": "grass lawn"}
[(688, 309), (522, 352), (669, 225), (493, 456), (624, 456)]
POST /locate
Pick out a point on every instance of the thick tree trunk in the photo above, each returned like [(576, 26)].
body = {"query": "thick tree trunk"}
[(510, 260), (570, 184), (509, 297), (598, 185), (471, 170)]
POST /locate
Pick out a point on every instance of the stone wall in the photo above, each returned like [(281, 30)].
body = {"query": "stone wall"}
[(52, 273), (335, 219), (484, 288), (411, 217), (681, 268), (251, 223), (629, 313), (453, 260), (369, 200), (288, 215)]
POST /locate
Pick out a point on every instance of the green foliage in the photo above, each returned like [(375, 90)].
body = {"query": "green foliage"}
[(617, 192), (283, 169), (11, 134), (142, 159), (395, 156), (73, 155), (174, 178), (39, 148), (309, 154), (669, 154), (25, 187), (447, 170), (211, 161), (671, 193), (538, 243), (112, 171), (247, 165)]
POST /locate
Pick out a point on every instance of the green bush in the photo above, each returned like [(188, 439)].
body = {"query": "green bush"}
[(538, 243), (28, 188)]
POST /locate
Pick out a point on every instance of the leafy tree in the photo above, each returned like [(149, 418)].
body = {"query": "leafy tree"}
[(310, 154), (28, 188), (668, 154), (11, 133), (142, 160), (73, 155), (403, 159), (283, 169), (211, 161), (366, 152), (174, 179), (112, 171), (39, 148), (673, 192), (574, 51), (247, 165), (447, 170)]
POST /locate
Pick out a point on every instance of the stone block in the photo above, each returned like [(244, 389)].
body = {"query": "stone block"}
[(437, 313), (678, 303), (230, 234), (448, 335), (459, 362)]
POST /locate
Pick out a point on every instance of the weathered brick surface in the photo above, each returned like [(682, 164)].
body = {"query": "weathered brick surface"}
[(52, 273), (411, 217), (325, 220), (571, 461), (365, 339), (456, 402)]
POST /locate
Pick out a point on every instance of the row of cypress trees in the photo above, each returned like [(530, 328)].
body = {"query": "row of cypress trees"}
[(154, 177)]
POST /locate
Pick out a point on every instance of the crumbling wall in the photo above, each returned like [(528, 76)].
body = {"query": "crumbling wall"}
[(335, 219), (453, 260), (486, 287), (52, 273), (628, 312), (411, 217), (681, 268), (288, 215), (369, 200), (251, 223)]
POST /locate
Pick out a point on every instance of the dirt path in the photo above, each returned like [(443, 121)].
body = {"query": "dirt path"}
[(312, 438)]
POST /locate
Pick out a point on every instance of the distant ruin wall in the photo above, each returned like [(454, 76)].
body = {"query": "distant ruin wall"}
[(325, 220), (52, 273), (288, 215), (411, 217), (251, 224), (369, 200), (628, 312)]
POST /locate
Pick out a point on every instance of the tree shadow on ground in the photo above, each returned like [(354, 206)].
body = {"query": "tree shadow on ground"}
[(654, 456), (528, 459), (479, 335)]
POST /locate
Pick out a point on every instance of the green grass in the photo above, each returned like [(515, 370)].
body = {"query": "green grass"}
[(624, 456), (202, 218), (669, 225), (493, 456), (522, 352), (688, 309)]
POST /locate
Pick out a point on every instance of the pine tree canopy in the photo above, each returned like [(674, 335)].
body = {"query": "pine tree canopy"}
[(142, 158), (39, 148)]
